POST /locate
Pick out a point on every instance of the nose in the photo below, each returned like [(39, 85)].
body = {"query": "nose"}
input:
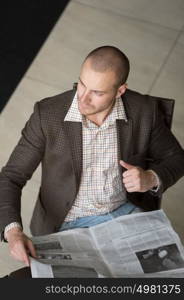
[(85, 97)]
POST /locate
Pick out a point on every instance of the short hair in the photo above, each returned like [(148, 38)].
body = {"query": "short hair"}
[(106, 58)]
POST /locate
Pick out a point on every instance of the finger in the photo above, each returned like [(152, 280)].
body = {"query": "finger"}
[(132, 189), (135, 172), (26, 260), (130, 173), (126, 165), (127, 179), (129, 185), (126, 174), (31, 248), (19, 252)]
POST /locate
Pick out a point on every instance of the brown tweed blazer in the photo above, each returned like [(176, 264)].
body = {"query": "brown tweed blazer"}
[(143, 141)]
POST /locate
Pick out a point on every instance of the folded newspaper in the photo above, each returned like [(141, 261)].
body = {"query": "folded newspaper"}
[(137, 245)]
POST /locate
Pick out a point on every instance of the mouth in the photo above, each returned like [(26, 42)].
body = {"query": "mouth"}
[(82, 105)]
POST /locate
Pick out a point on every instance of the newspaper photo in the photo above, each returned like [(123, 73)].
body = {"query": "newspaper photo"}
[(136, 245)]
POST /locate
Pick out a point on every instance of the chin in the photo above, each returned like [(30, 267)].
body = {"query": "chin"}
[(82, 111), (85, 111)]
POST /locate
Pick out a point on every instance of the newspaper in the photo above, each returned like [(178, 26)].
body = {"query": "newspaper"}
[(136, 245)]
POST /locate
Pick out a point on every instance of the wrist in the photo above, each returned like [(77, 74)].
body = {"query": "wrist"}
[(12, 228), (154, 181)]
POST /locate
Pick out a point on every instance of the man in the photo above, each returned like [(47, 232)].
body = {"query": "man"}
[(105, 151)]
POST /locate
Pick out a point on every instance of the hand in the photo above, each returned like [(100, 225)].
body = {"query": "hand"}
[(136, 179), (20, 245)]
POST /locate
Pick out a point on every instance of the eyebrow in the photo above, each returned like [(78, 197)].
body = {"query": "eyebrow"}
[(92, 90)]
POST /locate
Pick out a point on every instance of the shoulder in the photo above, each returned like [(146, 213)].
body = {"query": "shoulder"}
[(57, 100), (143, 105), (134, 98), (56, 106), (137, 104)]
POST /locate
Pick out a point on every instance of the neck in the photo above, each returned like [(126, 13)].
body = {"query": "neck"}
[(99, 118)]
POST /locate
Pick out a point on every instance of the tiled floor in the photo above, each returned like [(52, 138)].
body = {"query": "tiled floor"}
[(150, 32)]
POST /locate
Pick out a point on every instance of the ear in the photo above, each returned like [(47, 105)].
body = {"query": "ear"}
[(121, 90)]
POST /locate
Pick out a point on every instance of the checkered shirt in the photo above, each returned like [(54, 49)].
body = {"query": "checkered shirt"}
[(101, 188)]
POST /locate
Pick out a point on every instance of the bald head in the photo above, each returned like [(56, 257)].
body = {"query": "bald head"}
[(109, 58)]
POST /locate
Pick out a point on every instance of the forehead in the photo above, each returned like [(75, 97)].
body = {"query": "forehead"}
[(96, 80)]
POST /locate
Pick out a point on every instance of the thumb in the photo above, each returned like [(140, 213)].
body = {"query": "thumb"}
[(125, 165), (31, 248)]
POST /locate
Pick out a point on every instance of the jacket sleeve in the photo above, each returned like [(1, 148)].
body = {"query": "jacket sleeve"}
[(167, 155), (23, 161)]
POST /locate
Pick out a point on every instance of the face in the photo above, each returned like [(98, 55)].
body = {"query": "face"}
[(97, 92)]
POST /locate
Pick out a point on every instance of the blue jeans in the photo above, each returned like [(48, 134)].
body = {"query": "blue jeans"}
[(88, 221)]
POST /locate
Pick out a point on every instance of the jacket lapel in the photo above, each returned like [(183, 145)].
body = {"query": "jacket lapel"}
[(73, 131), (124, 135)]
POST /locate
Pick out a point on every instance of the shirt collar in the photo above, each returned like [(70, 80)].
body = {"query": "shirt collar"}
[(118, 112)]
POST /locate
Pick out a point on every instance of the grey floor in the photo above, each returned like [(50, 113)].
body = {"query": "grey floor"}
[(150, 32)]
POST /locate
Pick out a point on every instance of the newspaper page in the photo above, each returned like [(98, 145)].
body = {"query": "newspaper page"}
[(67, 254), (136, 245)]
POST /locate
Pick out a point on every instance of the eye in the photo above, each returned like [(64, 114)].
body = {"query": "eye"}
[(98, 93), (81, 86)]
